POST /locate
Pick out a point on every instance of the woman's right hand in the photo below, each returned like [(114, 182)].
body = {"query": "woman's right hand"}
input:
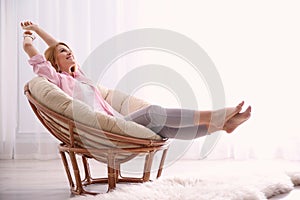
[(29, 26)]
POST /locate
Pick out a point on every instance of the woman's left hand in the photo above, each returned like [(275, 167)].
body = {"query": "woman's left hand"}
[(29, 26)]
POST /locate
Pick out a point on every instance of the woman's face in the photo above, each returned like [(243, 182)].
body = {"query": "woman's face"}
[(65, 59)]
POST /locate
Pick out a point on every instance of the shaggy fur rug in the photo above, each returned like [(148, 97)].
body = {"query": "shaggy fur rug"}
[(233, 185)]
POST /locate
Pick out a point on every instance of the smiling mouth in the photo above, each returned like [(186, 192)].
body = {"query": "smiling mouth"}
[(72, 69), (70, 57)]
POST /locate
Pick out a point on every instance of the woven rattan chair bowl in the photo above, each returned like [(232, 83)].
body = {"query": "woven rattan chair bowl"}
[(78, 139)]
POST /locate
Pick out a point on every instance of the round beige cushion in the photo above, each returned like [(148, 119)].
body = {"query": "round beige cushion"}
[(55, 99)]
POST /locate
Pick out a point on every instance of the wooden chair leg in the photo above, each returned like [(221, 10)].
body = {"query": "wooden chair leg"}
[(111, 171), (148, 165), (88, 179), (67, 169), (162, 162), (79, 188), (118, 171)]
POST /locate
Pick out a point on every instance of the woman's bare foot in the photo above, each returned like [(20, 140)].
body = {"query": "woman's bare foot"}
[(230, 112), (237, 120), (220, 117)]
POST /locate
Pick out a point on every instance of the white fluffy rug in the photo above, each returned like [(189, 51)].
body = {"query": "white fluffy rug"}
[(227, 185)]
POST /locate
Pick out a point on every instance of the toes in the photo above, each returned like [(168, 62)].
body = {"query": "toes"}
[(248, 110), (241, 104)]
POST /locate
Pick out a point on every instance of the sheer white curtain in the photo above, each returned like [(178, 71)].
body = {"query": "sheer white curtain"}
[(254, 46), (8, 78), (82, 24)]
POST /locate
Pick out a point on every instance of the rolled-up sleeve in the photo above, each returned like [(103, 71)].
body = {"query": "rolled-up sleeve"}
[(43, 68)]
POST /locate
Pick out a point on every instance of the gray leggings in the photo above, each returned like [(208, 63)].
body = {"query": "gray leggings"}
[(168, 123)]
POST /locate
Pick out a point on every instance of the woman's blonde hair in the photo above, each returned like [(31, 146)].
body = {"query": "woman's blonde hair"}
[(50, 54)]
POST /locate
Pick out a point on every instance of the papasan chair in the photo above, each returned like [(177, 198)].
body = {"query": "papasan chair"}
[(86, 134)]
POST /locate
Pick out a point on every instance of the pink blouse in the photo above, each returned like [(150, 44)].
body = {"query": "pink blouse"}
[(78, 87)]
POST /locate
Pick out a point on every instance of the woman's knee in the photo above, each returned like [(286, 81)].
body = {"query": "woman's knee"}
[(157, 115), (156, 109)]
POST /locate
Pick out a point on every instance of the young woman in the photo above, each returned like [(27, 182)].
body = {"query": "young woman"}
[(59, 66)]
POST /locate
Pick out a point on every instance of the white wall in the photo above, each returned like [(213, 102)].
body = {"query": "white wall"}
[(255, 47)]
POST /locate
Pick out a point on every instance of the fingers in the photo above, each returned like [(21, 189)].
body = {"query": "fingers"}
[(26, 24)]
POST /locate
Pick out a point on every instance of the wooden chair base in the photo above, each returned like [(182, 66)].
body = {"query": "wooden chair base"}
[(114, 175)]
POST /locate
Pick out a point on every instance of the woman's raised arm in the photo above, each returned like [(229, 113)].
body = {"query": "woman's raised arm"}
[(29, 26), (28, 44)]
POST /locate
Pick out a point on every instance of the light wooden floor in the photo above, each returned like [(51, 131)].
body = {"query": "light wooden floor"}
[(46, 180)]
